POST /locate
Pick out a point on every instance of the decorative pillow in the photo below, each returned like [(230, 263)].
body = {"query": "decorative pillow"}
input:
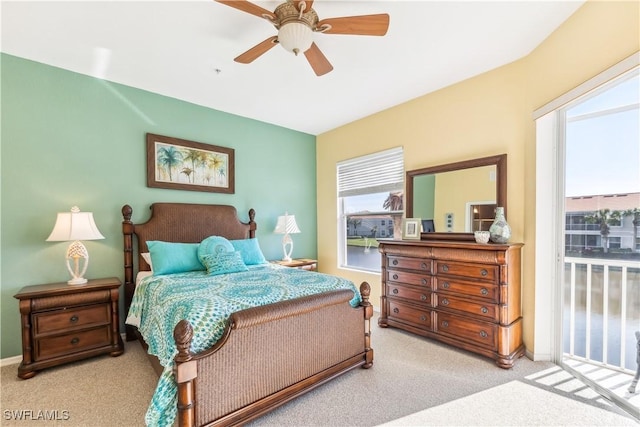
[(224, 262), (250, 250), (167, 257), (213, 245), (147, 258)]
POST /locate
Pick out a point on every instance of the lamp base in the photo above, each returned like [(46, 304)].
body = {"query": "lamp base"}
[(78, 281)]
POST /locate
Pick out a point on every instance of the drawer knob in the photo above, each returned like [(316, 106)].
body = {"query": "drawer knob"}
[(445, 301), (445, 285), (484, 272), (445, 324), (445, 268), (483, 334), (424, 266), (423, 297), (395, 277), (395, 291), (75, 340), (73, 319), (396, 311), (484, 291), (424, 281), (423, 318), (394, 262), (485, 310)]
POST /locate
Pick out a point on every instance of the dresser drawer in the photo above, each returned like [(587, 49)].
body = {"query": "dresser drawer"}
[(487, 311), (409, 263), (475, 271), (407, 313), (72, 342), (406, 292), (487, 291), (409, 278), (74, 317), (481, 333)]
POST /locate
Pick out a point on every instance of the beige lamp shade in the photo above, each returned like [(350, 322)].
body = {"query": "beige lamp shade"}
[(72, 227)]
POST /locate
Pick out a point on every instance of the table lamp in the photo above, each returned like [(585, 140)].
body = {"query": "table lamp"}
[(72, 227), (287, 225)]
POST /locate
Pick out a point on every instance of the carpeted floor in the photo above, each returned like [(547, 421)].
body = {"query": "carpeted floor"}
[(414, 381)]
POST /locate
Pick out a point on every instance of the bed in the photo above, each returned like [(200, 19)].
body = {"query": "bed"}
[(265, 355)]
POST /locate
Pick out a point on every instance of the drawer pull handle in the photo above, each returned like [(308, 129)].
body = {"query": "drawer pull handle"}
[(445, 268), (424, 266), (485, 310), (445, 285), (394, 262), (395, 277), (396, 311), (445, 324), (445, 301), (395, 291), (424, 281), (423, 297), (423, 318), (484, 272), (484, 291), (73, 319), (483, 334), (75, 341)]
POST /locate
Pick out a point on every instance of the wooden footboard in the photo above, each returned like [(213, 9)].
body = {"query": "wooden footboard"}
[(269, 355)]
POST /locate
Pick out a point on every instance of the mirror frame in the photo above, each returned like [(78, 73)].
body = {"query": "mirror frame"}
[(500, 161)]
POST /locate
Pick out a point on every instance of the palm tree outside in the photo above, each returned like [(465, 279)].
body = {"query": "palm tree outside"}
[(604, 218)]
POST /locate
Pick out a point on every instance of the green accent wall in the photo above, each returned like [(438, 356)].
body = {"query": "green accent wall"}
[(69, 139)]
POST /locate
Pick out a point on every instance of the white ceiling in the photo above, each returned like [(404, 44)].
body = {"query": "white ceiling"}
[(175, 47)]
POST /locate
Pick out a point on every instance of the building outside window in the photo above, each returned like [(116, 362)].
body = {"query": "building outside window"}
[(370, 207)]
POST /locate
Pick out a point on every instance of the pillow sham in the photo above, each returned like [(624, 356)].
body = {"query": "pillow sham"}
[(147, 258), (213, 245), (250, 250), (224, 262), (169, 257)]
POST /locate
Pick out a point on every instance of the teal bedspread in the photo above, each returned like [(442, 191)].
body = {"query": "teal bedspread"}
[(160, 302)]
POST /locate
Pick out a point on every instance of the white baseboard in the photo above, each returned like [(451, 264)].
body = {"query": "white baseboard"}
[(10, 361)]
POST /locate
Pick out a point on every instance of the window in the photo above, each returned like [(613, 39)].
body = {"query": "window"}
[(370, 206)]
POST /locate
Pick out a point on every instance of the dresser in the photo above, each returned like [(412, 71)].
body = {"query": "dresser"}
[(62, 323), (464, 294)]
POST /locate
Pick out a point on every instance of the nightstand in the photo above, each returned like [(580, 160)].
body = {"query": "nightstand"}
[(301, 263), (63, 323)]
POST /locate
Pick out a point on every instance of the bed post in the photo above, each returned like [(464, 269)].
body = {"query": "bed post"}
[(252, 223), (185, 372), (365, 292), (129, 286)]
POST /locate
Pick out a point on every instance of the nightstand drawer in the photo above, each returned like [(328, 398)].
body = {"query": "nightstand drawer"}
[(69, 343), (79, 317)]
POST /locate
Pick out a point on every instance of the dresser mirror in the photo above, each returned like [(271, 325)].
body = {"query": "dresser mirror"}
[(458, 197)]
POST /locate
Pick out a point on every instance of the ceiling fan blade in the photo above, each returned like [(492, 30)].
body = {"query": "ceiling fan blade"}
[(317, 60), (256, 51), (364, 25), (308, 4), (248, 7)]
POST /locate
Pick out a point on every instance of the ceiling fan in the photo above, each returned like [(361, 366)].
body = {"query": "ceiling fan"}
[(296, 21)]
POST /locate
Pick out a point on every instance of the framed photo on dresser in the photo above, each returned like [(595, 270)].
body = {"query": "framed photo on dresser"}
[(411, 228)]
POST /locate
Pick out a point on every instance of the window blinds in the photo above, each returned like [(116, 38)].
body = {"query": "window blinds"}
[(374, 173)]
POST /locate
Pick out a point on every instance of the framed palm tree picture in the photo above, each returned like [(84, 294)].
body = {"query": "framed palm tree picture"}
[(187, 165)]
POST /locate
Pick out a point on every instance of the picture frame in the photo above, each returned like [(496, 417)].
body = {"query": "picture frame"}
[(180, 164), (411, 228)]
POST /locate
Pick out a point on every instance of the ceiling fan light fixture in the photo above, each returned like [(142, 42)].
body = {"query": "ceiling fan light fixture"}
[(295, 37)]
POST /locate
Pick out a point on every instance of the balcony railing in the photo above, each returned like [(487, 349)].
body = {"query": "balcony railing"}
[(602, 311)]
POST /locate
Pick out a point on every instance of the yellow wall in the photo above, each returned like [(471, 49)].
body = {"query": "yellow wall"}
[(486, 115)]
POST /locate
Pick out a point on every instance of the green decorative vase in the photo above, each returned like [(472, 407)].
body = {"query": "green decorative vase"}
[(500, 231)]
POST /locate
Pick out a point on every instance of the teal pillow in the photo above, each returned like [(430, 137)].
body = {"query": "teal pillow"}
[(224, 262), (250, 250), (168, 257), (212, 245)]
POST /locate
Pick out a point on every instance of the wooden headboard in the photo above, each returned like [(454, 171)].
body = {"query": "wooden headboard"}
[(177, 222)]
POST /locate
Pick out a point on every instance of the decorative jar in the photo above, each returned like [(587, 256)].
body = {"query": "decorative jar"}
[(500, 231)]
